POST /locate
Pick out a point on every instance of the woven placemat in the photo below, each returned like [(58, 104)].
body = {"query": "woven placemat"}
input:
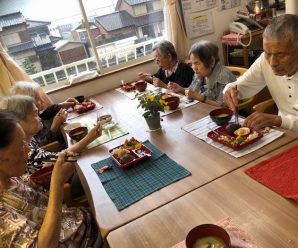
[(126, 186), (115, 132)]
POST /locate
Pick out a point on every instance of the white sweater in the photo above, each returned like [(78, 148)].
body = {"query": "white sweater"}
[(283, 89)]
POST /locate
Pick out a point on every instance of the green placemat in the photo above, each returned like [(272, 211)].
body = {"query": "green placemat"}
[(126, 186), (116, 132)]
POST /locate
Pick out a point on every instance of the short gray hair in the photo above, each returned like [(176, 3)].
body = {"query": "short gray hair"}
[(205, 50), (283, 26), (20, 105), (25, 88), (166, 48)]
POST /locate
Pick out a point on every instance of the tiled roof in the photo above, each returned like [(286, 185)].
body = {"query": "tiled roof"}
[(122, 19), (11, 20), (34, 23), (115, 20), (134, 2), (21, 47), (149, 18)]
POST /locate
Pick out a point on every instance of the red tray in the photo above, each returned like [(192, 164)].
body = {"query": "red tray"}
[(128, 86), (219, 133), (145, 153), (85, 108)]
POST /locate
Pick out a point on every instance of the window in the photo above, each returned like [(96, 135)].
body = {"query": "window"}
[(58, 44), (140, 9)]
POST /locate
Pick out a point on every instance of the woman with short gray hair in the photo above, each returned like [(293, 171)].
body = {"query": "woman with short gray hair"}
[(210, 75), (171, 70), (52, 117)]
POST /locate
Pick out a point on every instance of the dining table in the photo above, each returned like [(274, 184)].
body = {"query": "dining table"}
[(267, 218), (205, 163)]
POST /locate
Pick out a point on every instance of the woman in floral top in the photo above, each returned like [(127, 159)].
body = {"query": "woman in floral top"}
[(25, 109), (28, 218), (210, 75)]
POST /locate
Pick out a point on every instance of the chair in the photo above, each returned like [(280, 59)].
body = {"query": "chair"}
[(52, 147), (237, 71), (267, 106), (246, 106)]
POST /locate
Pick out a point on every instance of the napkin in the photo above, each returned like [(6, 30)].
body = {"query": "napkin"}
[(279, 173)]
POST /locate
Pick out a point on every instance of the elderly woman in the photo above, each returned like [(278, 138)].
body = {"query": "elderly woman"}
[(210, 75), (38, 221), (25, 109), (171, 70), (52, 117)]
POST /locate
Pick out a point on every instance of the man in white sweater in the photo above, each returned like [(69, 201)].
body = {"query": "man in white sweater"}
[(276, 68)]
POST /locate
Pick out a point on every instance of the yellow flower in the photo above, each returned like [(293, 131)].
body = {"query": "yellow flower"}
[(166, 107), (162, 102)]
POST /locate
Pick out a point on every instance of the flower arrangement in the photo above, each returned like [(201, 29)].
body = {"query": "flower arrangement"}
[(152, 103)]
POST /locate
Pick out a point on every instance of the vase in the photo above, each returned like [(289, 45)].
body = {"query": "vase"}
[(153, 122)]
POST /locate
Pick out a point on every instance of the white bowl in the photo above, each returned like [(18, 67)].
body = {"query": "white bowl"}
[(71, 126)]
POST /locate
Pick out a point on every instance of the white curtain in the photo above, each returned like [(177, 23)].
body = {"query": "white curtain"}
[(11, 72), (174, 29)]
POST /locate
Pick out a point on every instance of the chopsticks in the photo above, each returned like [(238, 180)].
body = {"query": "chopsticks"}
[(53, 158), (236, 112)]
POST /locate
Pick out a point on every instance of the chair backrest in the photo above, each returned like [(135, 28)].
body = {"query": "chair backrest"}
[(237, 71), (247, 104)]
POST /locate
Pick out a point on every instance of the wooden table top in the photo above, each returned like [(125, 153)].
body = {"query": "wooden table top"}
[(270, 219), (205, 162)]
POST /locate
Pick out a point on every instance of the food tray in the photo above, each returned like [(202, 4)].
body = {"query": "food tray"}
[(137, 157), (128, 86), (220, 135), (84, 109)]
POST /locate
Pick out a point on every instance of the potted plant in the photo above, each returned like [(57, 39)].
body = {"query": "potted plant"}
[(153, 104)]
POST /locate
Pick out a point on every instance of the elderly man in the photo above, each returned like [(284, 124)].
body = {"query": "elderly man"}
[(277, 68)]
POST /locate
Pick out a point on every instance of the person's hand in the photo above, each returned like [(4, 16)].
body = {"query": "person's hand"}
[(62, 170), (231, 97), (95, 132), (258, 120), (175, 87), (70, 102), (158, 83), (189, 93), (143, 76), (59, 119)]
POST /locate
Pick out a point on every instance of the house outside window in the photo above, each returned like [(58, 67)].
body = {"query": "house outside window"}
[(119, 33)]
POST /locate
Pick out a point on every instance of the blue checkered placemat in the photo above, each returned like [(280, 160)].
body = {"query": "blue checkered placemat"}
[(126, 186)]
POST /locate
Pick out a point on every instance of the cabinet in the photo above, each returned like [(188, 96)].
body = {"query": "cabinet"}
[(243, 56)]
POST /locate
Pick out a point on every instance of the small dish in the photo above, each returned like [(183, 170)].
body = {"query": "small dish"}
[(141, 85), (71, 126), (129, 157), (234, 141), (221, 116), (42, 177), (128, 86), (171, 100), (84, 107), (78, 133), (208, 235), (105, 118)]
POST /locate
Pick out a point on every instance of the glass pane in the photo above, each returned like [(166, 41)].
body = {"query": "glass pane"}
[(124, 32)]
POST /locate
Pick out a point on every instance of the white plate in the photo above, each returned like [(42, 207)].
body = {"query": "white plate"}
[(71, 126)]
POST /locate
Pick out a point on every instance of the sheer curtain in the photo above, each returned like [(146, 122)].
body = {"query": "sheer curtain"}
[(11, 72), (174, 28)]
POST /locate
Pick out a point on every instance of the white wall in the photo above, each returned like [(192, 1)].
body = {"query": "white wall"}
[(221, 21)]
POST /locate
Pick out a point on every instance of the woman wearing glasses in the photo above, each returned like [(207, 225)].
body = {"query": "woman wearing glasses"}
[(170, 68)]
